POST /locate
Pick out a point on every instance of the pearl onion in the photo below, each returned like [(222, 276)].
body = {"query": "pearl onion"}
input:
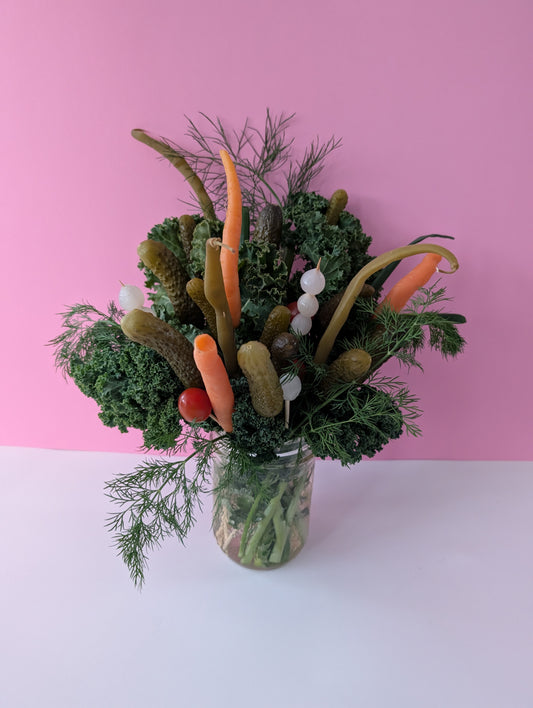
[(301, 324), (307, 305), (130, 297), (313, 281), (291, 386)]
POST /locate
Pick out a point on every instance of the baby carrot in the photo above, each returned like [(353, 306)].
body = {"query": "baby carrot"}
[(400, 294), (215, 378), (231, 236)]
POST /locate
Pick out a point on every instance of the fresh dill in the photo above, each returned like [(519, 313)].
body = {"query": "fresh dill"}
[(263, 159), (158, 499)]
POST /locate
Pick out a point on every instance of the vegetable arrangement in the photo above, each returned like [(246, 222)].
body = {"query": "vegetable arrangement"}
[(264, 328)]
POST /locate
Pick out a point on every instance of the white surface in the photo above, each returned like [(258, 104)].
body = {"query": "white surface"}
[(415, 590)]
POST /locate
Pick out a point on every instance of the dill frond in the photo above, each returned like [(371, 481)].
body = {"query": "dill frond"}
[(157, 500), (260, 157)]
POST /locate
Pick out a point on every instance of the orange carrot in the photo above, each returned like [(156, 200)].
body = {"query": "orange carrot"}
[(231, 236), (215, 378), (400, 294)]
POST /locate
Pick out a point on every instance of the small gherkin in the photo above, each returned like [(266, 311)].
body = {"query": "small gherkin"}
[(351, 365), (167, 268), (269, 225), (144, 328)]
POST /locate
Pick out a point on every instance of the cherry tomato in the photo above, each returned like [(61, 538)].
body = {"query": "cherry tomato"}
[(293, 307), (194, 405)]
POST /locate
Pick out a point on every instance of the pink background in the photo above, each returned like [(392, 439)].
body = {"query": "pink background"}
[(432, 99)]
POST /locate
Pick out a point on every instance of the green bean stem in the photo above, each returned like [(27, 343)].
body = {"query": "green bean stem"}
[(179, 162), (356, 285), (216, 296)]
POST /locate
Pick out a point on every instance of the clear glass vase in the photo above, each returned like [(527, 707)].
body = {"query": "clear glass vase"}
[(261, 515)]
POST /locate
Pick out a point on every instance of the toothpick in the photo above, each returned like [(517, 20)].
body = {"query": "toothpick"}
[(287, 412)]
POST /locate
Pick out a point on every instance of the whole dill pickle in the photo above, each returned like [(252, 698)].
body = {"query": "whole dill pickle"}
[(269, 225), (195, 290), (349, 366), (337, 204), (173, 277), (187, 226), (147, 329), (263, 381), (277, 322)]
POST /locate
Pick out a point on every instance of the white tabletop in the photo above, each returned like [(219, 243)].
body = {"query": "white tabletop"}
[(415, 589)]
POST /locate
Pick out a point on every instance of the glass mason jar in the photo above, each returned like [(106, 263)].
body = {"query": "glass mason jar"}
[(261, 519)]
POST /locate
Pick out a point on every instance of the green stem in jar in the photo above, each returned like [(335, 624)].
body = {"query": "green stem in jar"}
[(248, 555), (282, 530), (248, 522), (356, 285)]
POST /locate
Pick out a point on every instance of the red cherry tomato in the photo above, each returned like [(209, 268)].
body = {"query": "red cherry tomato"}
[(194, 405), (293, 307)]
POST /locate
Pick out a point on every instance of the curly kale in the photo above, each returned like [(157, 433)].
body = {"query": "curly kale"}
[(132, 384), (342, 247), (263, 280)]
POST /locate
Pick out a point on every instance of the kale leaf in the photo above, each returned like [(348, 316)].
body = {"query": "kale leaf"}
[(342, 247), (132, 384)]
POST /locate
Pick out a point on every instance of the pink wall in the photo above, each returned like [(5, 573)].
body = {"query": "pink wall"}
[(434, 104)]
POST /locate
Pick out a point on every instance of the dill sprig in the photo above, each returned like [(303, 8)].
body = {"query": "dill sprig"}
[(259, 155), (84, 328), (157, 500), (402, 334), (403, 398)]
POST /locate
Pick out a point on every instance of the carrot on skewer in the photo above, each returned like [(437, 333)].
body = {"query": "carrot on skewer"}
[(215, 378), (231, 236), (400, 294)]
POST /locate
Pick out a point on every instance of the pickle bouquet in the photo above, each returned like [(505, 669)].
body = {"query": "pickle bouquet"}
[(264, 323)]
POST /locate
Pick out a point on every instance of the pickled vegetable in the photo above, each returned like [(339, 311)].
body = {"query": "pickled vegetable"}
[(337, 204), (173, 277), (216, 296), (147, 329), (263, 381), (277, 322), (351, 365), (179, 162), (283, 349), (187, 226), (196, 291), (269, 225)]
